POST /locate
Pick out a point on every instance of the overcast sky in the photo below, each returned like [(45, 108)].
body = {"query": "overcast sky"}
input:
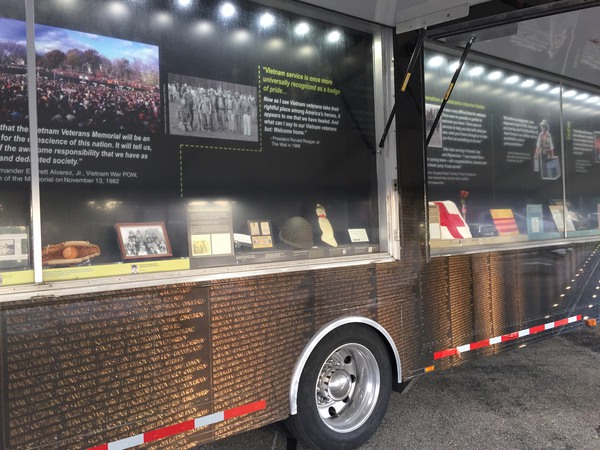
[(51, 38)]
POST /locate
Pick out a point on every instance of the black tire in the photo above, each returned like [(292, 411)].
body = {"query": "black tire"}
[(344, 390)]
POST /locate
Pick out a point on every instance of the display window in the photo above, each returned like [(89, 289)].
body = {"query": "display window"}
[(504, 163), (581, 111), (192, 135)]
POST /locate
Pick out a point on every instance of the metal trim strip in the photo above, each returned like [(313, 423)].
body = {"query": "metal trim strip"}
[(16, 293)]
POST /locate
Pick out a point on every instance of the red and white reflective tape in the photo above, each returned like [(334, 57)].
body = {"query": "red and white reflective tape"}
[(182, 427), (504, 338)]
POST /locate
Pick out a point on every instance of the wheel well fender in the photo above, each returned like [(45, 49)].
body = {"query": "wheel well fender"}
[(324, 331)]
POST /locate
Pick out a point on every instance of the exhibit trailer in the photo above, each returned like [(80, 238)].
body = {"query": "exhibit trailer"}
[(218, 215)]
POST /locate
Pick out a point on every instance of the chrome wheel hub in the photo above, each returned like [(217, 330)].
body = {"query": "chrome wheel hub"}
[(340, 384), (347, 388)]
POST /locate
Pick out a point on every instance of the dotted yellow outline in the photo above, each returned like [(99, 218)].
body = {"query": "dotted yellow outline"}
[(212, 147)]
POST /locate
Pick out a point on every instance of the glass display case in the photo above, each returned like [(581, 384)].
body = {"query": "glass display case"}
[(504, 164), (188, 136)]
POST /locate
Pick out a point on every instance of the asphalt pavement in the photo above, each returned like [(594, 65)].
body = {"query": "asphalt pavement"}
[(543, 396)]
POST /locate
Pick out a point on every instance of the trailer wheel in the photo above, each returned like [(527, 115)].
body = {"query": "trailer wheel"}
[(344, 390)]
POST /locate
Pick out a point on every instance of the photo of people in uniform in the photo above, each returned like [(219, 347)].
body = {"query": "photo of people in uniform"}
[(211, 108), (143, 240)]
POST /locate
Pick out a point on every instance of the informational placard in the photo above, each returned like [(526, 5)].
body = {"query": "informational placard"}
[(358, 235), (210, 231)]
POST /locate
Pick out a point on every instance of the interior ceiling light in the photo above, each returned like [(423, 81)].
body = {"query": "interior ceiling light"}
[(266, 20), (117, 8), (334, 36), (512, 79), (301, 29), (495, 75), (542, 87), (227, 10), (527, 83), (476, 71), (436, 61)]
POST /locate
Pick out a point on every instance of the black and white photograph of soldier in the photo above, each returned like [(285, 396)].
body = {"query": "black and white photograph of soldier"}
[(211, 108)]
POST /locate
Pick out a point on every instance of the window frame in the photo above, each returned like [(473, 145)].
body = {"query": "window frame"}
[(387, 196)]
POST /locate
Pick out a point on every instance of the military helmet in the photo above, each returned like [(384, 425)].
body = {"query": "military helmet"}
[(297, 232)]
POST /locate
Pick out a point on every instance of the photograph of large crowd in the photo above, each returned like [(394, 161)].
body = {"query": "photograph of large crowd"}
[(211, 108), (13, 79), (84, 81)]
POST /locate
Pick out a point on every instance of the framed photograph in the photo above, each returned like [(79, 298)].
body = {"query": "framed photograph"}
[(14, 247), (143, 240)]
